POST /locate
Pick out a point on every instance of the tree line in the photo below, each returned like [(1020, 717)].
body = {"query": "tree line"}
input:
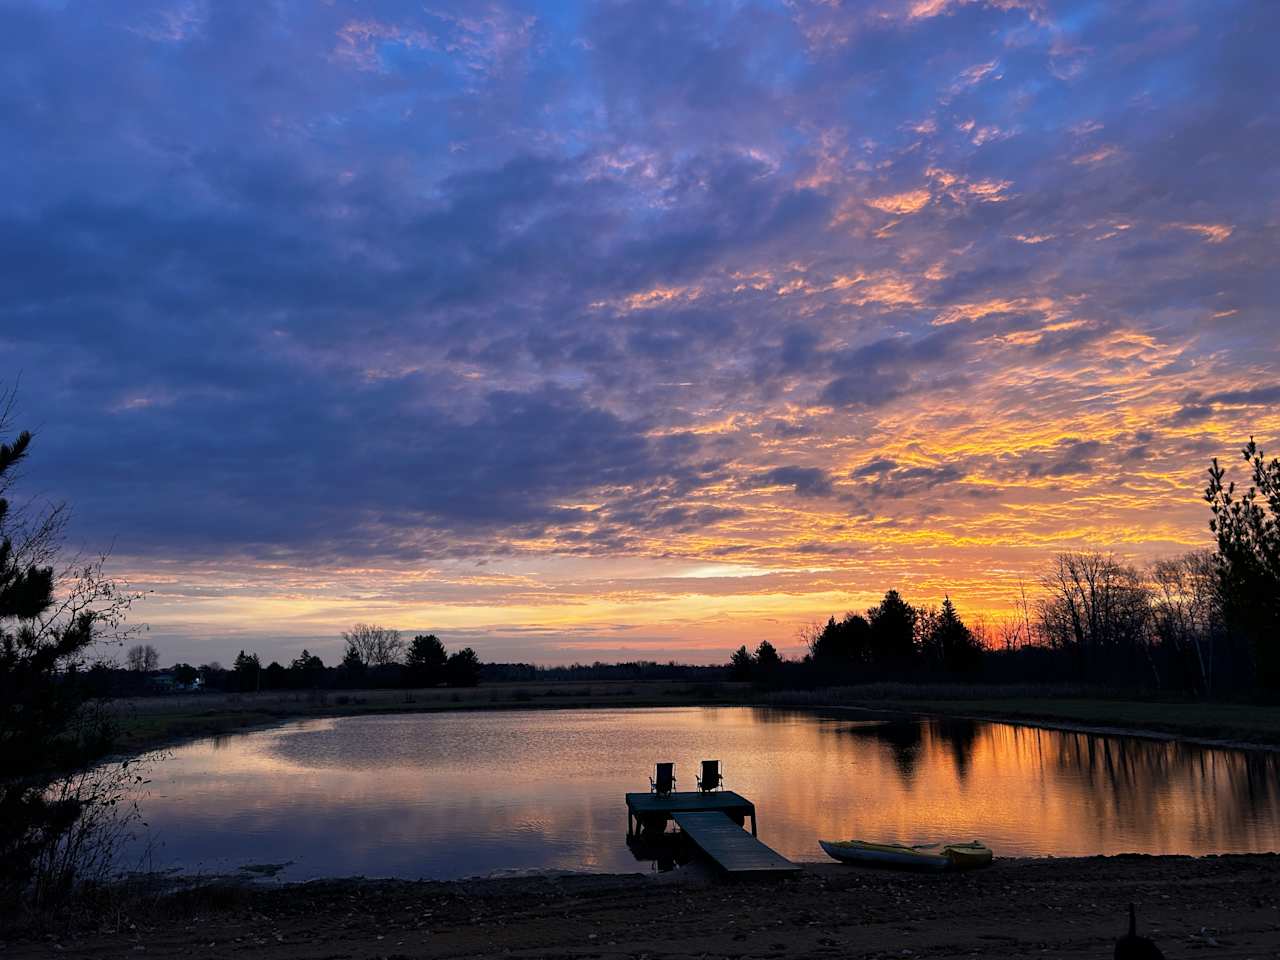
[(1204, 622), (374, 656), (890, 640), (308, 671)]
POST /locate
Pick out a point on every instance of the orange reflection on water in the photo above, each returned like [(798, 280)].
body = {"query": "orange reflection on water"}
[(460, 794)]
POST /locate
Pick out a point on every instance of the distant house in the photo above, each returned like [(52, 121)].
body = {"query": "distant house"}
[(167, 683), (162, 681)]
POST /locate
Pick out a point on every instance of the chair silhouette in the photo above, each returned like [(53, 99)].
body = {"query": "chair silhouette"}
[(664, 779), (711, 778)]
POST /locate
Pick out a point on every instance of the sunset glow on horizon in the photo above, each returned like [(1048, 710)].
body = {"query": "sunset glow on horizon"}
[(630, 330)]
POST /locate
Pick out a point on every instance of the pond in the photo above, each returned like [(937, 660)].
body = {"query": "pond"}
[(448, 795)]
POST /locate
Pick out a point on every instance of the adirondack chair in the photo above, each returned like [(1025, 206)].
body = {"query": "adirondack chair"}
[(664, 779), (711, 778)]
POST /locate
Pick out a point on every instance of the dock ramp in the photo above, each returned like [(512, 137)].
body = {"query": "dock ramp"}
[(733, 850)]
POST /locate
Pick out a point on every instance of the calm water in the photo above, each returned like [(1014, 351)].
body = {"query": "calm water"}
[(462, 794)]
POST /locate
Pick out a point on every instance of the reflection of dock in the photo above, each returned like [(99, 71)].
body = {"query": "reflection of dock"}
[(714, 822)]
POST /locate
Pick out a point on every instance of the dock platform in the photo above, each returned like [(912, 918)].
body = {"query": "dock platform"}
[(715, 822), (649, 812), (736, 852)]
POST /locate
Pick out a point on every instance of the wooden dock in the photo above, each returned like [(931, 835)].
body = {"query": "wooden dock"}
[(732, 849), (649, 812), (714, 822)]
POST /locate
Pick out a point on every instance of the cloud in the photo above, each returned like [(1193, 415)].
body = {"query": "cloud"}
[(1197, 407), (601, 286), (885, 370), (1249, 397), (804, 481), (881, 478), (1068, 458), (1192, 413), (873, 468), (1211, 232)]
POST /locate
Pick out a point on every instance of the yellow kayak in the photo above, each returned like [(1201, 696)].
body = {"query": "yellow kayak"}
[(966, 856), (953, 856)]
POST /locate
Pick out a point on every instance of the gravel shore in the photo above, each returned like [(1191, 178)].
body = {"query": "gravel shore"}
[(1227, 906)]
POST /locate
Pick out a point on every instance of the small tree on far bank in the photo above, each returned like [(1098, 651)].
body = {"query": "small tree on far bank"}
[(741, 664), (462, 669), (376, 646), (1187, 619), (1097, 610), (768, 665), (425, 661), (248, 672), (893, 632), (767, 659), (352, 670), (274, 676), (948, 643), (842, 644), (307, 669), (214, 675), (143, 658)]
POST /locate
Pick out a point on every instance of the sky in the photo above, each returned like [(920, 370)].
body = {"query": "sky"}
[(629, 330)]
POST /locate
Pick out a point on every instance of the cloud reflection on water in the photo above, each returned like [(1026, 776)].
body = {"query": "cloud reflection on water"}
[(449, 795)]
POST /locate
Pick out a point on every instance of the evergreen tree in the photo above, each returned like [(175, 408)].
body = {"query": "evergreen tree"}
[(248, 672), (352, 670), (892, 634), (307, 669), (843, 644), (462, 669), (951, 643), (741, 664), (46, 729), (425, 661), (767, 659), (274, 676)]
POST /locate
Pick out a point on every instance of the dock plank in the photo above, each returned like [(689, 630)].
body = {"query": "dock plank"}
[(734, 850)]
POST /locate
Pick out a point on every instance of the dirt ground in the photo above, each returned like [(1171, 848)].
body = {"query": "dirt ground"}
[(1213, 907)]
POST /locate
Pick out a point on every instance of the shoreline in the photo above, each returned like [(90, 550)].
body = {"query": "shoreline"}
[(151, 727), (1064, 726), (218, 723), (1016, 908)]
